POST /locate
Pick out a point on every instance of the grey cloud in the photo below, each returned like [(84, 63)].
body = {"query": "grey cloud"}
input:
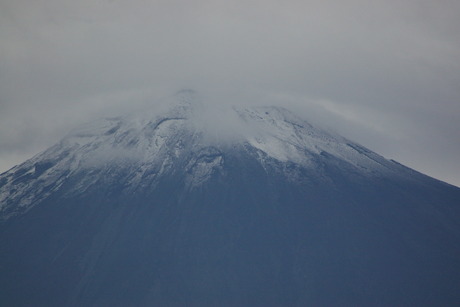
[(386, 73)]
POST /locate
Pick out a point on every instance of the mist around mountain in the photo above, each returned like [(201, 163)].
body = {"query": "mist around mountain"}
[(238, 207)]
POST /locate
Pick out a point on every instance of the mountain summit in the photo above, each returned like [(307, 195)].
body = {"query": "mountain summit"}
[(246, 207)]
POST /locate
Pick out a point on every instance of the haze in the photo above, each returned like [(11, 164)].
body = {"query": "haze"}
[(383, 73)]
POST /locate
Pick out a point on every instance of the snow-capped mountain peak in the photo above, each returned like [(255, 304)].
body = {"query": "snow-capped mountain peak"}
[(147, 145)]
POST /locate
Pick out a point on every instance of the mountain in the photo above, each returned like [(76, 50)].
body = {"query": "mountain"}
[(246, 207)]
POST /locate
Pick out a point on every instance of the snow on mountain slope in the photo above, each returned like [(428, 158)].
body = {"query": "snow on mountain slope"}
[(144, 146), (285, 137)]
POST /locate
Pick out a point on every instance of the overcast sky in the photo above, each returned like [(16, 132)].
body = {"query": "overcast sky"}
[(383, 73)]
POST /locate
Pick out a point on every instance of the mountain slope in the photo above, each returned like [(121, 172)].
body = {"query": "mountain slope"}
[(165, 209)]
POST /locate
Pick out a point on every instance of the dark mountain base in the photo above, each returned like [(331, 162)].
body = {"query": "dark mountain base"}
[(247, 237)]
